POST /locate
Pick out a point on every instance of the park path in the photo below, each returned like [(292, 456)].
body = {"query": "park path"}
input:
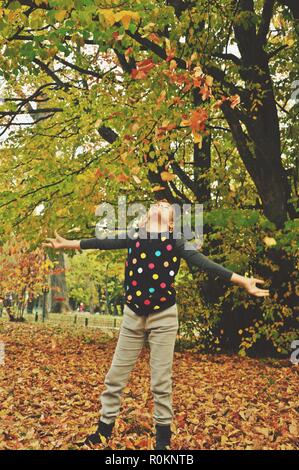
[(52, 377)]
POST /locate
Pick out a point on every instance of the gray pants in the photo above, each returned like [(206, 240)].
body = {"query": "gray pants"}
[(161, 328)]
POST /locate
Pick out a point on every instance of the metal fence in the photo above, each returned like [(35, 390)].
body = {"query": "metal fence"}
[(74, 319)]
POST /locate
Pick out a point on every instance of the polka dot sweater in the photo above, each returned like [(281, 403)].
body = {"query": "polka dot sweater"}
[(151, 267), (153, 260)]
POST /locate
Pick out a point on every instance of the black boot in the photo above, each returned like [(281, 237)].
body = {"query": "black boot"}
[(163, 435), (104, 430)]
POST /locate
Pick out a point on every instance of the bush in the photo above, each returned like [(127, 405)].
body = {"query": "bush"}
[(216, 316)]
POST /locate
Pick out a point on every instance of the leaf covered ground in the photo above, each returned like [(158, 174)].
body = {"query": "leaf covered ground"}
[(51, 380)]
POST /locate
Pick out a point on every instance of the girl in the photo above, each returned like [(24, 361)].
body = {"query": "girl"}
[(153, 260)]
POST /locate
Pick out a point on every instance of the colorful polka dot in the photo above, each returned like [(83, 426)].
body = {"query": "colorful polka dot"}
[(156, 294)]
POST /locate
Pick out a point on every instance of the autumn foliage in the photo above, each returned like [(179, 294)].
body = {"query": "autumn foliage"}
[(50, 399), (24, 273)]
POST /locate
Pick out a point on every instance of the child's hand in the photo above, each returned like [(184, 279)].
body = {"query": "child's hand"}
[(57, 243), (250, 285)]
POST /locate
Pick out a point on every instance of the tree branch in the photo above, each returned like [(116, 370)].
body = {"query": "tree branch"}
[(265, 22), (125, 65), (231, 57), (240, 138), (276, 51), (183, 176), (92, 73), (180, 6), (50, 72)]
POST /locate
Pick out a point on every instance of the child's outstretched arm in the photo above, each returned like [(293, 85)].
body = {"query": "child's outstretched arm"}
[(60, 243), (192, 256)]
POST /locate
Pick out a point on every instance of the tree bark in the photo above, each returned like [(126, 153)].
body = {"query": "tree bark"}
[(58, 298)]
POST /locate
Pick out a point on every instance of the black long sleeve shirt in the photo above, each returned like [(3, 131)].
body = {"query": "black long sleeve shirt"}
[(152, 264)]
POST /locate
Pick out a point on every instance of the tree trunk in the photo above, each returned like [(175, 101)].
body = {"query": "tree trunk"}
[(58, 298), (260, 146)]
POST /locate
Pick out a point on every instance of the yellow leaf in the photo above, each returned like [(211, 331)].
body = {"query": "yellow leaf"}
[(198, 71), (269, 241), (263, 431), (157, 188), (293, 428), (209, 422), (289, 41), (197, 139), (109, 16), (224, 440), (173, 64), (166, 176), (60, 15), (125, 17), (167, 43), (209, 80)]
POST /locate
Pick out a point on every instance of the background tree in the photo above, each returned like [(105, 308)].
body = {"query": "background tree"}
[(23, 275), (88, 279)]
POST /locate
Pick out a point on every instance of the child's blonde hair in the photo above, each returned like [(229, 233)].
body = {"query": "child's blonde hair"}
[(145, 218)]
